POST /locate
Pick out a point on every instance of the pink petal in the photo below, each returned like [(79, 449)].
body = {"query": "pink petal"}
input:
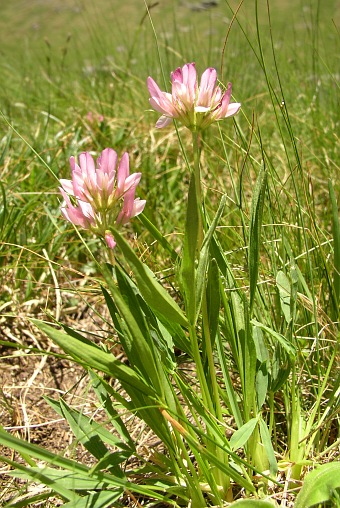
[(132, 181), (207, 85), (138, 207), (107, 161), (80, 190), (177, 75), (110, 240), (223, 108), (190, 77), (127, 208), (153, 88), (67, 185), (190, 82), (155, 103), (73, 164), (201, 109), (88, 169), (79, 216), (122, 173), (233, 108), (86, 163), (163, 104), (163, 121)]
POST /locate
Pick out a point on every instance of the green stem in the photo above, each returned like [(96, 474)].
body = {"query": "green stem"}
[(198, 187), (208, 380)]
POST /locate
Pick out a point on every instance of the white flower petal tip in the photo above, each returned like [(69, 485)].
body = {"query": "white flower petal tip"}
[(233, 108)]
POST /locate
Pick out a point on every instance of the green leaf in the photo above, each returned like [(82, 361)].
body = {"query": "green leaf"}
[(152, 291), (67, 479), (92, 436), (42, 454), (158, 236), (103, 391), (283, 286), (255, 232), (289, 348), (336, 239), (252, 503), (213, 299), (90, 355), (262, 356), (42, 475), (187, 270), (204, 257), (241, 436), (101, 499), (268, 446), (319, 485)]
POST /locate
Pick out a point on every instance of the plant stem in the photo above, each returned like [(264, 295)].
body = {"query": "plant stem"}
[(198, 188), (207, 377)]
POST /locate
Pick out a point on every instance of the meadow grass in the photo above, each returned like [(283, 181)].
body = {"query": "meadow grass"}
[(271, 301)]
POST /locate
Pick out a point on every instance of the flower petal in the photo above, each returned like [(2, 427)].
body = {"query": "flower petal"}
[(153, 88), (163, 121), (67, 185), (107, 161), (233, 108), (207, 86), (122, 174), (110, 240)]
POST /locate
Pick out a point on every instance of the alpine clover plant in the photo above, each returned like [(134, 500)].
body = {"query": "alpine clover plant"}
[(240, 363)]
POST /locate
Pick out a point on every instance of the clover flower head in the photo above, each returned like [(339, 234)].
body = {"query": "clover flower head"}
[(195, 106), (101, 194)]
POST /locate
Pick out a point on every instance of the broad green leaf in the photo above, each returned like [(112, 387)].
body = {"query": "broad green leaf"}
[(187, 269), (289, 348), (283, 286), (336, 240), (67, 479), (213, 299), (241, 435), (152, 291), (255, 232), (135, 333), (41, 475), (101, 499), (230, 395), (261, 384), (90, 426), (262, 356), (90, 355), (158, 236), (319, 485), (204, 257), (268, 447), (104, 391), (249, 364), (92, 436), (42, 454), (253, 503), (143, 396)]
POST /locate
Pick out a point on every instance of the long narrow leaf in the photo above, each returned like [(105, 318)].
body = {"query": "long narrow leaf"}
[(336, 239), (255, 232), (204, 257), (90, 355), (152, 291), (187, 271)]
